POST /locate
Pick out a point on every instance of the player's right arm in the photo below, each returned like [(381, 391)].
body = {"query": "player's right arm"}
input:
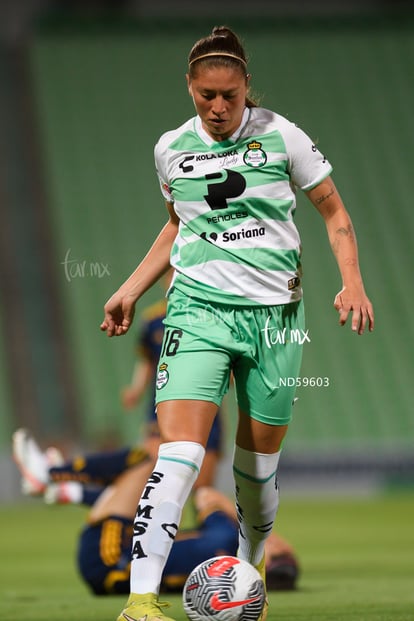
[(119, 309)]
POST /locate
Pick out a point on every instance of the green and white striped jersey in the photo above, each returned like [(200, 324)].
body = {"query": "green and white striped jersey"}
[(237, 242)]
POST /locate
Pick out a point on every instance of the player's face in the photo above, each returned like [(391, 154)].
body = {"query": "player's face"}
[(219, 95)]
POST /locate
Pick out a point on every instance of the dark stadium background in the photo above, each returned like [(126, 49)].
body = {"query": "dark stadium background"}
[(86, 88)]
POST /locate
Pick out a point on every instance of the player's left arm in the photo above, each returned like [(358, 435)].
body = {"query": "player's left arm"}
[(352, 298)]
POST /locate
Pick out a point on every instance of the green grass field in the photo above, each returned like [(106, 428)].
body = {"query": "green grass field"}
[(357, 560)]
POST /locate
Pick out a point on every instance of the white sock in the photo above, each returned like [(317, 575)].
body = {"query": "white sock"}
[(159, 512), (257, 499), (64, 492)]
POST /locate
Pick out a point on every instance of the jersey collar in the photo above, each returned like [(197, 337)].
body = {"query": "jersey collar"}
[(205, 137)]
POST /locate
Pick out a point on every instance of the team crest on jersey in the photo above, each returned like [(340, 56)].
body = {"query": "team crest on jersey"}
[(255, 156), (163, 376), (293, 283)]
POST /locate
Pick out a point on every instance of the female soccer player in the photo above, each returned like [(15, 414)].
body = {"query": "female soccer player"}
[(229, 177)]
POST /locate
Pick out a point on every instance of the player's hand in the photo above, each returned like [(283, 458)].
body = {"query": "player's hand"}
[(118, 314), (358, 305), (129, 397)]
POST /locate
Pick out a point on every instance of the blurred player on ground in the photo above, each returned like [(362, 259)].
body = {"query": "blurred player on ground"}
[(110, 483)]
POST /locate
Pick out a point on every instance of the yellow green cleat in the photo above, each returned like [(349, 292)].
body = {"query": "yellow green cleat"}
[(261, 568), (144, 607)]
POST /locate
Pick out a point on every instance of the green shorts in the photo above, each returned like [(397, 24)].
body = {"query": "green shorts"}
[(204, 342)]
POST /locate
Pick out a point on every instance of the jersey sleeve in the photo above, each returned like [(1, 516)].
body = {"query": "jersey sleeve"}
[(160, 159), (307, 165)]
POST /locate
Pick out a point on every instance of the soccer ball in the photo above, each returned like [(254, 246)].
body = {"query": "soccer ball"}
[(225, 588)]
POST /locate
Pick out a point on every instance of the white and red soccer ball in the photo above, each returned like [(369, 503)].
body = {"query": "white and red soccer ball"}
[(224, 588)]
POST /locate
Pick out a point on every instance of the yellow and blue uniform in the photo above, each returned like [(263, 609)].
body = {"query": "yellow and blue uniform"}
[(104, 552)]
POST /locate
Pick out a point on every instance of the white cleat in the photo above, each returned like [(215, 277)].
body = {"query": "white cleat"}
[(33, 463)]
